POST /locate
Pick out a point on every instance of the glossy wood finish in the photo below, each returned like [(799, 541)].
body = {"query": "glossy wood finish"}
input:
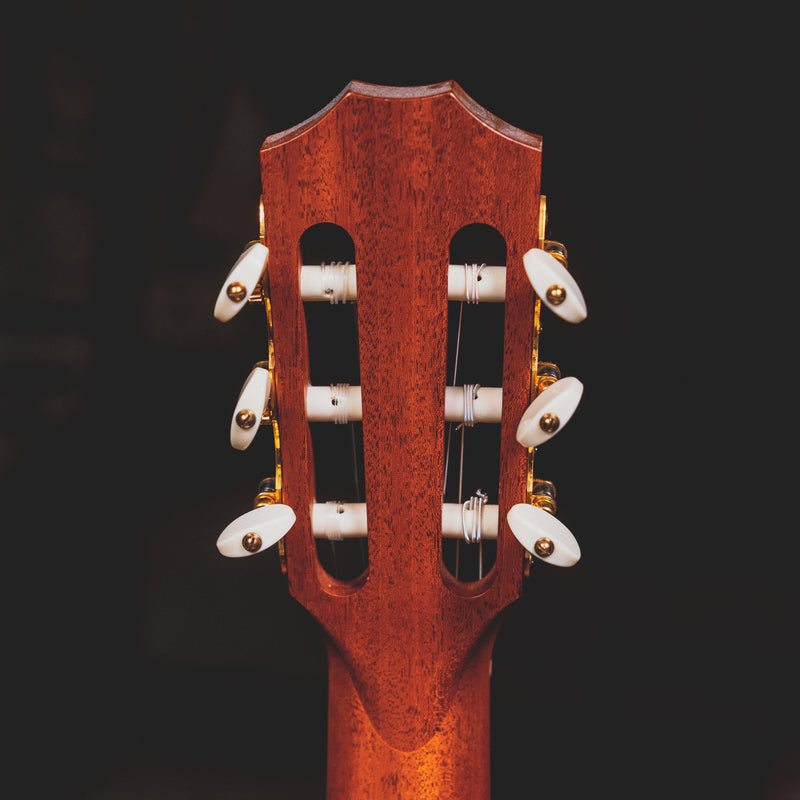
[(402, 170)]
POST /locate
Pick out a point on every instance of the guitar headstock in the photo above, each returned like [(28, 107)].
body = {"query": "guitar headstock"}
[(403, 267)]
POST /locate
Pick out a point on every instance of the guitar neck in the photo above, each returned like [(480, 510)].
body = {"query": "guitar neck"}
[(453, 764)]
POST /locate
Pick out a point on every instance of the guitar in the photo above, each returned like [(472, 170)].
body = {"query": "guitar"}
[(403, 270)]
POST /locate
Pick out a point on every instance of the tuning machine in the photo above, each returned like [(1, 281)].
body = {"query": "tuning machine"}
[(252, 407), (534, 523), (555, 403), (539, 531), (256, 530), (547, 271), (269, 520), (243, 282)]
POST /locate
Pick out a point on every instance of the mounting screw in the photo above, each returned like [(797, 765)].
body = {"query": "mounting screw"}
[(556, 294), (236, 291), (549, 423), (245, 419), (544, 547), (251, 542)]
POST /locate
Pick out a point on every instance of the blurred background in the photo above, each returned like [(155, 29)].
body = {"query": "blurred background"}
[(145, 665)]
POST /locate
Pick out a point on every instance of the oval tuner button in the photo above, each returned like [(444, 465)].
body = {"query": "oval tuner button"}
[(250, 408), (255, 530), (558, 290), (541, 534), (549, 412), (241, 282)]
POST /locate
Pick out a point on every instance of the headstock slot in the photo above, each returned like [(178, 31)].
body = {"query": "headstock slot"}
[(338, 450), (475, 333)]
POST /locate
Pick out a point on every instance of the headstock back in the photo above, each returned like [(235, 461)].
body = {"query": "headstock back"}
[(402, 171)]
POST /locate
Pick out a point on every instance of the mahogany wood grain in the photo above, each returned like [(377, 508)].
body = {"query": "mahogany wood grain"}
[(402, 170)]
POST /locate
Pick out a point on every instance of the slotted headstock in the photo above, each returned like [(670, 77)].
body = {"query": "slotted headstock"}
[(401, 174)]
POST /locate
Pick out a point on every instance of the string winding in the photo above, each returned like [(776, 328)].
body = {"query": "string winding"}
[(334, 281), (339, 392), (472, 274), (470, 396), (474, 505)]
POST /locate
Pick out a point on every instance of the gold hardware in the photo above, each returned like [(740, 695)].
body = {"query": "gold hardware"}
[(542, 219), (260, 295), (267, 494), (236, 291), (543, 495), (544, 547), (546, 375), (257, 297), (526, 569), (534, 390), (556, 294), (549, 423), (557, 250), (282, 556), (245, 419), (272, 415), (251, 542)]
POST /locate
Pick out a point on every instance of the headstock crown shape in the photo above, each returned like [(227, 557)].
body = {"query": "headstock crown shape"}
[(403, 172)]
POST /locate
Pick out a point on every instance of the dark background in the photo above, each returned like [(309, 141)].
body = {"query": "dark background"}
[(663, 665)]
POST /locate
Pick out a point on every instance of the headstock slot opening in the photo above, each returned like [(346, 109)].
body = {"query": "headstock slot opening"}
[(332, 327), (475, 338)]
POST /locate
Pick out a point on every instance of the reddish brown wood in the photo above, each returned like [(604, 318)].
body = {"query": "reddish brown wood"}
[(402, 170)]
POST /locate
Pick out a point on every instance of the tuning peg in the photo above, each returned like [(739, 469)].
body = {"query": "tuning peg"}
[(258, 529), (250, 407), (541, 534), (553, 283), (549, 412), (241, 281)]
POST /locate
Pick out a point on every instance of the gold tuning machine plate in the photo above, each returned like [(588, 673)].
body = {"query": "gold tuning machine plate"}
[(546, 375)]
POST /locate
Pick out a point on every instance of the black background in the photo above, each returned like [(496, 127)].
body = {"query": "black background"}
[(663, 665)]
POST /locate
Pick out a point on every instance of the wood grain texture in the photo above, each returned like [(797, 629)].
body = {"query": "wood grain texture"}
[(402, 170)]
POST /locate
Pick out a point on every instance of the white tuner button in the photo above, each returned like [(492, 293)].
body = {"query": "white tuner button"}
[(549, 412), (250, 407), (558, 290), (241, 282), (255, 531), (541, 534)]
